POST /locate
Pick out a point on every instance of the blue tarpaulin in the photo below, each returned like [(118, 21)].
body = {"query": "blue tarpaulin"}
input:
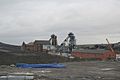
[(23, 65)]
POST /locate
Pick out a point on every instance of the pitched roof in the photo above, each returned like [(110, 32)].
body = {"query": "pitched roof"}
[(30, 43), (43, 42)]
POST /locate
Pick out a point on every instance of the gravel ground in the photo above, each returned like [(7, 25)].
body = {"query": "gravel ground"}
[(87, 70)]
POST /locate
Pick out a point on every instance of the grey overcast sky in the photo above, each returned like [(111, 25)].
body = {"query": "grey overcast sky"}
[(92, 21)]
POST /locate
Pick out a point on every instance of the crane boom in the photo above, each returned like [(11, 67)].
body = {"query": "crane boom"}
[(112, 50)]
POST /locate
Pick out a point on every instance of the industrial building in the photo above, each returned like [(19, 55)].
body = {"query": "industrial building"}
[(40, 45), (98, 54), (69, 47), (51, 45)]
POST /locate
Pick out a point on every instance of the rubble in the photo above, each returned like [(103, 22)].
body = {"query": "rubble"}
[(84, 70)]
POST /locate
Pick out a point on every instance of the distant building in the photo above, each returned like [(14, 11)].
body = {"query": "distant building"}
[(116, 46), (37, 46), (40, 45), (92, 46)]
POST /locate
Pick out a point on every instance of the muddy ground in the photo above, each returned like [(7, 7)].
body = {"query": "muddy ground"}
[(87, 70)]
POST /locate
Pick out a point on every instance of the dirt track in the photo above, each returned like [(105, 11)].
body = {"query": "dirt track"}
[(92, 70)]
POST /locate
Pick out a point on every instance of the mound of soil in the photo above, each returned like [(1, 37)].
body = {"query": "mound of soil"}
[(13, 58)]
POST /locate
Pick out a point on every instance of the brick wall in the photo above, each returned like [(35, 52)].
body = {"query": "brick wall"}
[(100, 56)]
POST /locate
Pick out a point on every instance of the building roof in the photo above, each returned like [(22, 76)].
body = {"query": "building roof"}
[(42, 42), (30, 43), (97, 51)]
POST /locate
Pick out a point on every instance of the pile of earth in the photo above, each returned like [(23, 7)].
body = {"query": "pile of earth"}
[(11, 54)]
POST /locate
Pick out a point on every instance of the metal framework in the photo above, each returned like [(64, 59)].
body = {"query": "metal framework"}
[(68, 44)]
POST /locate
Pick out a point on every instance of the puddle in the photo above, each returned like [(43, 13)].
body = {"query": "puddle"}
[(17, 76), (107, 69), (42, 71), (21, 73)]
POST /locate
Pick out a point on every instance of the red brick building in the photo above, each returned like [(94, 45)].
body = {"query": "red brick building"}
[(36, 46), (94, 54), (40, 45)]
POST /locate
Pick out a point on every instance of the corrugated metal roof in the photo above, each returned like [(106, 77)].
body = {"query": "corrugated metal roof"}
[(91, 51)]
